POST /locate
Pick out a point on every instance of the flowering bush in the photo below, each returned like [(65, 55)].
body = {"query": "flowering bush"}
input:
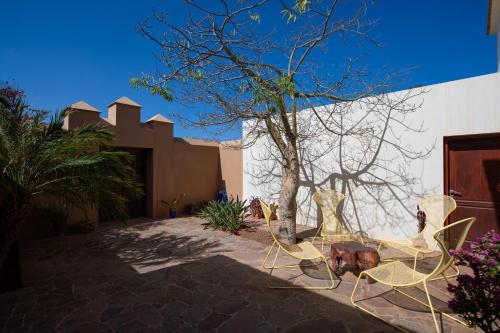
[(255, 208), (477, 296)]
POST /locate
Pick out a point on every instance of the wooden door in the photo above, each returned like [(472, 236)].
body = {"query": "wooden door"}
[(136, 206), (472, 177)]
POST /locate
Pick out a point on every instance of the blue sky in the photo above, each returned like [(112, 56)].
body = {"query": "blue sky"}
[(60, 52)]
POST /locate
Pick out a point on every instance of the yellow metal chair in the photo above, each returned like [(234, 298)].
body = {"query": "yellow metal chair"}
[(332, 230), (301, 251), (437, 208), (397, 275)]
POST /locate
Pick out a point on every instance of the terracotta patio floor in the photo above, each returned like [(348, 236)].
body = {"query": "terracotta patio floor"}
[(174, 276)]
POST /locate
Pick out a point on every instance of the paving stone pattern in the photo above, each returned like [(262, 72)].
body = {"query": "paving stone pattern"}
[(176, 276)]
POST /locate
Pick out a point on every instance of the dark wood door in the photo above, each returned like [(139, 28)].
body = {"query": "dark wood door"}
[(136, 206), (473, 179)]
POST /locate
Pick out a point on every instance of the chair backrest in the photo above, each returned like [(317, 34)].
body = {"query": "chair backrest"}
[(328, 201), (457, 233), (437, 208), (267, 215)]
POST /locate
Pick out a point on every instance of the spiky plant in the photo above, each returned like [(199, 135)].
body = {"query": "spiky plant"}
[(226, 215), (39, 159)]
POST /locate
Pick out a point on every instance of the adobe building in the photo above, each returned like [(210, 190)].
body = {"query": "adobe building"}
[(166, 165)]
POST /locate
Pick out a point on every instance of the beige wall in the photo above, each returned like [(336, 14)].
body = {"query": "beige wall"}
[(197, 168), (197, 172), (231, 160)]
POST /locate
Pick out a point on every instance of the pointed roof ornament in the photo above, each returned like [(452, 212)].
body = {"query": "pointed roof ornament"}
[(84, 106), (126, 101), (159, 118)]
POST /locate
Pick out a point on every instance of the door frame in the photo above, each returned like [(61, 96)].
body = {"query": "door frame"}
[(446, 155)]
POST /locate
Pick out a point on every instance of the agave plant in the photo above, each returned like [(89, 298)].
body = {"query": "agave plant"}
[(39, 159), (225, 215)]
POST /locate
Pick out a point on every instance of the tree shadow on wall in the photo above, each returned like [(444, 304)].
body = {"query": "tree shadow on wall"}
[(362, 150)]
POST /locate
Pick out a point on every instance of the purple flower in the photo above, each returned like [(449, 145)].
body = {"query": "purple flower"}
[(477, 296)]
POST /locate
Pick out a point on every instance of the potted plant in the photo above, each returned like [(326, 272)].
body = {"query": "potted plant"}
[(273, 207), (255, 208), (172, 205)]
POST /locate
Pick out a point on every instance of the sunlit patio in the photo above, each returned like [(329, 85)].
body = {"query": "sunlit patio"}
[(175, 276)]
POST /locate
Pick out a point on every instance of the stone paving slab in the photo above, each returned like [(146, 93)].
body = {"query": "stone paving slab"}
[(174, 276)]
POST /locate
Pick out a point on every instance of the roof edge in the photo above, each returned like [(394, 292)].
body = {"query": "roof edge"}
[(83, 106), (125, 101), (159, 118)]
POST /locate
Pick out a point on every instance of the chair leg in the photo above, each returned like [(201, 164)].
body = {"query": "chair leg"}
[(457, 271), (415, 263), (273, 267), (368, 311), (446, 277), (329, 273), (317, 232), (322, 244), (431, 307), (267, 256)]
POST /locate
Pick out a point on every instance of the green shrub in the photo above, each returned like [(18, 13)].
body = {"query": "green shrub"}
[(196, 208), (225, 215), (81, 227)]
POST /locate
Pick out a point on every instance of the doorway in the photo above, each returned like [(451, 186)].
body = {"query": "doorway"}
[(137, 207), (472, 178)]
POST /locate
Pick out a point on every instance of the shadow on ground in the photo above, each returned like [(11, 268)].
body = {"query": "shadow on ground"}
[(172, 277)]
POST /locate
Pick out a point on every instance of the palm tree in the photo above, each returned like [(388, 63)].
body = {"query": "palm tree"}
[(39, 159)]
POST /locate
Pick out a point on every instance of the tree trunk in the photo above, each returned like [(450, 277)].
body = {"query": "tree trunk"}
[(10, 271), (9, 223), (287, 209), (7, 239)]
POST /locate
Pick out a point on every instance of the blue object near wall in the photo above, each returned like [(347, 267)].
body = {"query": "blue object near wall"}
[(222, 196)]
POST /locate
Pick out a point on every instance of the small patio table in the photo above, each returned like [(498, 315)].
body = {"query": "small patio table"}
[(353, 255)]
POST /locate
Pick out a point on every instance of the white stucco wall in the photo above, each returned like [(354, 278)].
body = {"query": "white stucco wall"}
[(469, 106)]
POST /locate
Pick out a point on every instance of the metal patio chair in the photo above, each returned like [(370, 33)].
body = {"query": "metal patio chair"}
[(301, 251), (397, 275), (437, 208), (331, 229)]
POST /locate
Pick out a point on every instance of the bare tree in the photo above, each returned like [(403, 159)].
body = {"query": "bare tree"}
[(224, 58), (362, 149)]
